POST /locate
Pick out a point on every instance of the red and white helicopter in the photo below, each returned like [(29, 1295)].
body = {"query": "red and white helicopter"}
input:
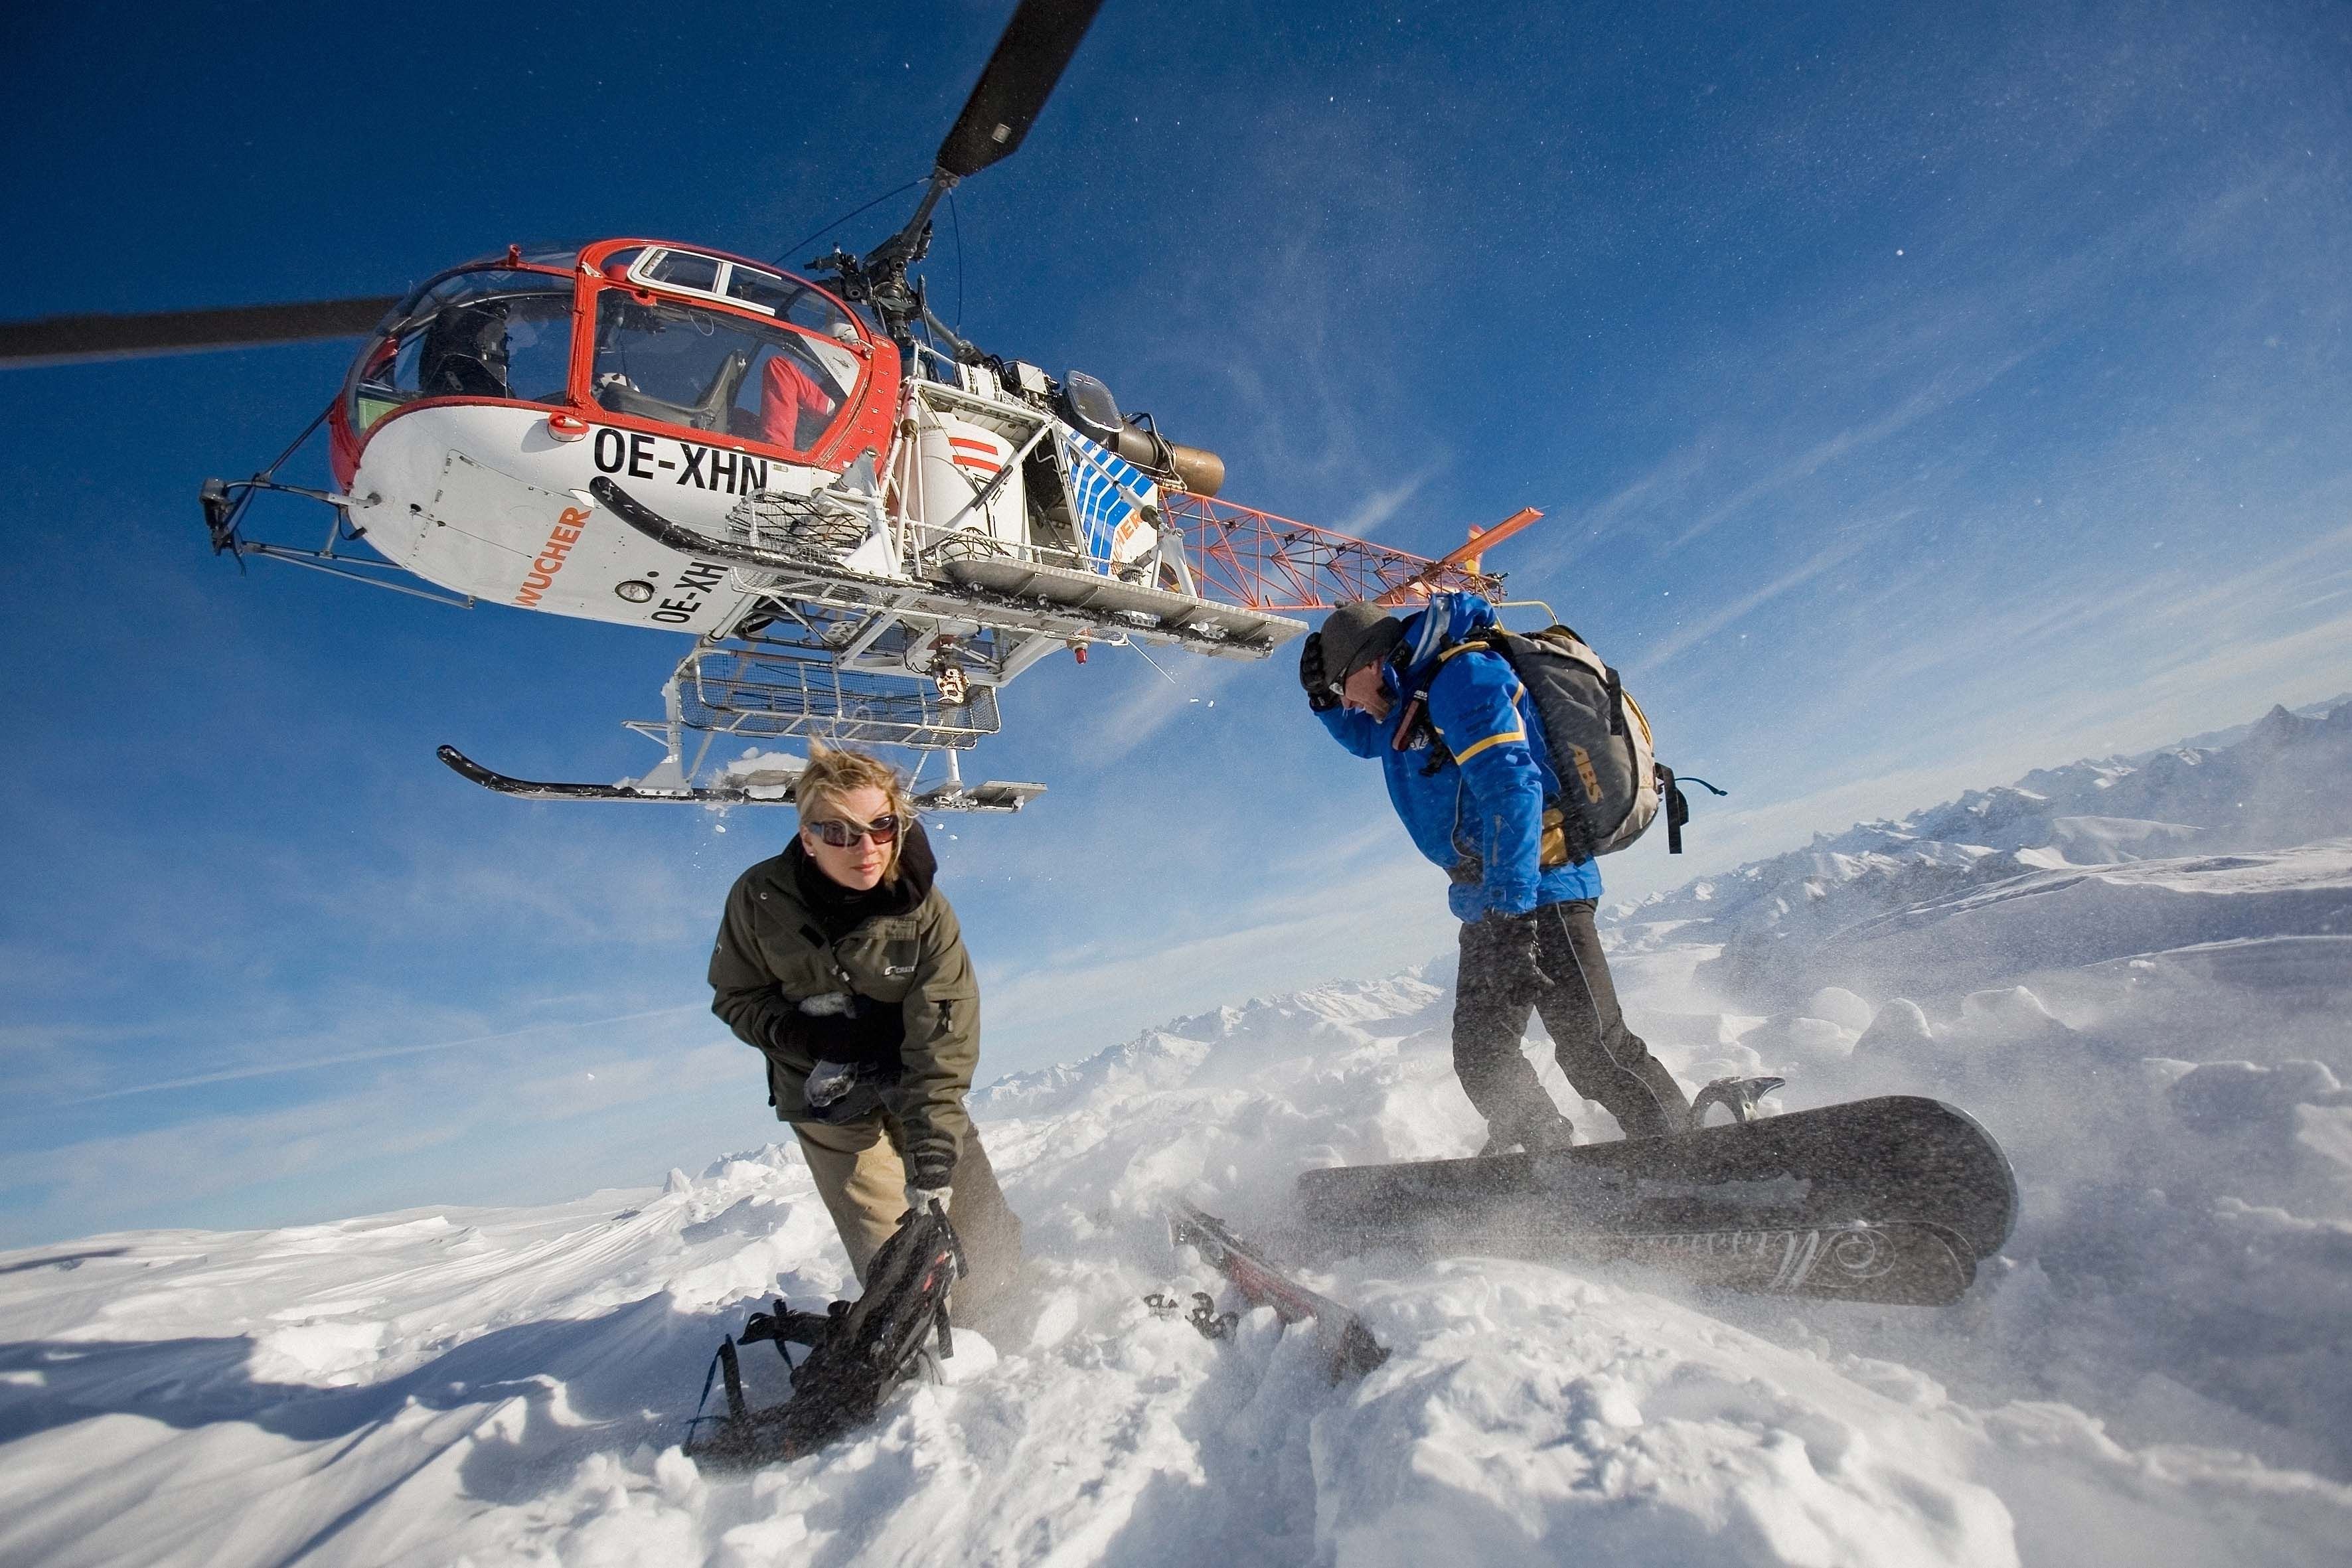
[(867, 524)]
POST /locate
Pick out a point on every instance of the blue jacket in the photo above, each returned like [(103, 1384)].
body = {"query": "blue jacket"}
[(1486, 799)]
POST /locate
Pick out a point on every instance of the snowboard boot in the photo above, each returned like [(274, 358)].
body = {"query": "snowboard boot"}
[(1539, 1131)]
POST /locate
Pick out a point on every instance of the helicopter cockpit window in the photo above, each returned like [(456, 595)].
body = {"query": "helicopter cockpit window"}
[(712, 370), (492, 334), (789, 299), (739, 283), (681, 269)]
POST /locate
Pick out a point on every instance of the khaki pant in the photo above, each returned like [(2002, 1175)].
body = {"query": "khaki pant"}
[(863, 1182)]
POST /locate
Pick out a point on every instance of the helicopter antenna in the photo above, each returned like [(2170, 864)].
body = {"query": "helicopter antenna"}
[(828, 228), (1013, 88), (955, 226)]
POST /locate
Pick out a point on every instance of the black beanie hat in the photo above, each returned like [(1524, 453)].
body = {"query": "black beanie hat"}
[(1354, 636)]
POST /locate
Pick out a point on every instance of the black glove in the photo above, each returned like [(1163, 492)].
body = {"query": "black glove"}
[(844, 1027), (929, 1175), (842, 1092), (1312, 674), (817, 1039), (1517, 941)]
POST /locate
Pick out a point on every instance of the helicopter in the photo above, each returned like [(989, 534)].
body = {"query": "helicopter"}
[(868, 524)]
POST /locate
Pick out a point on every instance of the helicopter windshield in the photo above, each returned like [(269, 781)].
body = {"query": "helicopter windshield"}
[(496, 333), (717, 370)]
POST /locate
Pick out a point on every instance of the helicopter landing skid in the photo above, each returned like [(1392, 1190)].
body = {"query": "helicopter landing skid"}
[(948, 795)]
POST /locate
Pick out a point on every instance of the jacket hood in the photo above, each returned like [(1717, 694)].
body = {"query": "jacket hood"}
[(1450, 618)]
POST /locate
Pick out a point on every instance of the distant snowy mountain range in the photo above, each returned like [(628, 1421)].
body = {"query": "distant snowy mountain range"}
[(2214, 740), (1229, 1043), (2122, 850)]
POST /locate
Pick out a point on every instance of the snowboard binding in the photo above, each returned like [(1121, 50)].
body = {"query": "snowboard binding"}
[(1737, 1095)]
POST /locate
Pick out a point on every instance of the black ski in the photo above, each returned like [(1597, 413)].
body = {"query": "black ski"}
[(1349, 1345), (529, 789), (946, 794), (1885, 1163), (685, 540), (858, 1351)]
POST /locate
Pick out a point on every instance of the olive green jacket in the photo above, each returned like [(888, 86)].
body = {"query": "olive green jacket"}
[(772, 955)]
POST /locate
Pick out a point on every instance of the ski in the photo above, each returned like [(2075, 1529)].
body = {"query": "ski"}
[(948, 794), (532, 789), (689, 541), (858, 1351), (1348, 1346), (1882, 1163)]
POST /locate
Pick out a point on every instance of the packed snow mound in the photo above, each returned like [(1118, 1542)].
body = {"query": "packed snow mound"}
[(1895, 902)]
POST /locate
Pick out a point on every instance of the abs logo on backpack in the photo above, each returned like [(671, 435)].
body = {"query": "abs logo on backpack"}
[(1585, 776)]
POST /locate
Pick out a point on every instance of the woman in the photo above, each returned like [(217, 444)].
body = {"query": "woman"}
[(844, 965)]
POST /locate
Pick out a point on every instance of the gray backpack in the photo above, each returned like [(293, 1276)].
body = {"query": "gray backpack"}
[(1612, 785)]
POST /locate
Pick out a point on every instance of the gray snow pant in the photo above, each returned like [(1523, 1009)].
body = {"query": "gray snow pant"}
[(1604, 1061)]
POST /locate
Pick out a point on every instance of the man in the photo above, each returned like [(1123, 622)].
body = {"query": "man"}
[(1467, 771), (794, 408), (842, 963)]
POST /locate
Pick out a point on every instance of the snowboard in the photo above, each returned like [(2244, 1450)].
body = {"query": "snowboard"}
[(1907, 1170), (1898, 1265), (1349, 1345)]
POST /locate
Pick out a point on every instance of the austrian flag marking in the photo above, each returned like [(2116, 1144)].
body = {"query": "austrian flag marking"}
[(980, 457), (566, 533)]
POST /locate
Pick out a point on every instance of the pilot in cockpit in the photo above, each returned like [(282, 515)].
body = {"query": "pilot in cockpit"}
[(465, 352), (798, 397)]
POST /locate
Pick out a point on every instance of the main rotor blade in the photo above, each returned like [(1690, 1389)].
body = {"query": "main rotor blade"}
[(1013, 85), (68, 339)]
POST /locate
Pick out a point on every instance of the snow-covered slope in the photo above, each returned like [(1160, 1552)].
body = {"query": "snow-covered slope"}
[(506, 1387), (2154, 1373)]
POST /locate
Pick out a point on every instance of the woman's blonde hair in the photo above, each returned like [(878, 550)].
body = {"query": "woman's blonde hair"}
[(835, 773)]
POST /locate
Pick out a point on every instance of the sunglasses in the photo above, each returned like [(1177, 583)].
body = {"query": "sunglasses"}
[(842, 835)]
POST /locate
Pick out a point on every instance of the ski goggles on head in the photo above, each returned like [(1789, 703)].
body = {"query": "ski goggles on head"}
[(883, 829)]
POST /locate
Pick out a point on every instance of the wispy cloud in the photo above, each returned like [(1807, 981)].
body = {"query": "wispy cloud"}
[(1162, 688), (1365, 518), (387, 1053), (1943, 390), (1323, 923), (448, 1128), (1661, 649)]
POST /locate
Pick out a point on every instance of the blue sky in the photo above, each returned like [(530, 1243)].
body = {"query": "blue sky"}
[(1918, 395)]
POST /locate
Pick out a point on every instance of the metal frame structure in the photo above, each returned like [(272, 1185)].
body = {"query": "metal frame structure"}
[(1270, 563)]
